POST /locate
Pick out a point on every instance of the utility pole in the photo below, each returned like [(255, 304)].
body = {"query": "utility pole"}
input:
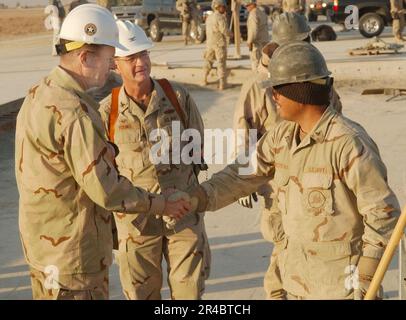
[(235, 8)]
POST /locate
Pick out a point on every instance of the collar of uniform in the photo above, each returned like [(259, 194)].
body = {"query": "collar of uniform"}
[(319, 131), (317, 134), (66, 81), (157, 97)]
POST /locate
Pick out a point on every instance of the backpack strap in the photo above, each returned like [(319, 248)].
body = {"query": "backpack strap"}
[(170, 93), (113, 112)]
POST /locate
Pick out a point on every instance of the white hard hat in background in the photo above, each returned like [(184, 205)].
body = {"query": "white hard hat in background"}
[(91, 24), (133, 38)]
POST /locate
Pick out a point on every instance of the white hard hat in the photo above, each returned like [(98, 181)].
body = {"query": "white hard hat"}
[(133, 38), (91, 24)]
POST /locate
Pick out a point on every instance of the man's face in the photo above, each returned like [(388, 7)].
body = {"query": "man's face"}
[(98, 65), (221, 9), (135, 68), (250, 6), (287, 109)]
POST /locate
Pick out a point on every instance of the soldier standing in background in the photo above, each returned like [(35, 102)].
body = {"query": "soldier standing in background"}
[(216, 43), (398, 16), (189, 16), (56, 21), (258, 35)]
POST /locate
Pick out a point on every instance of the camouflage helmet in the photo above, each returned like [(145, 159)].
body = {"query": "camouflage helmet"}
[(216, 3), (289, 26), (297, 61)]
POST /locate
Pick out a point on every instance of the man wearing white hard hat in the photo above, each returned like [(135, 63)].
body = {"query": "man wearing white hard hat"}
[(65, 171), (132, 113)]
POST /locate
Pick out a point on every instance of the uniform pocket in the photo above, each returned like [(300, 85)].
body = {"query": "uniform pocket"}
[(131, 156), (317, 199), (327, 267)]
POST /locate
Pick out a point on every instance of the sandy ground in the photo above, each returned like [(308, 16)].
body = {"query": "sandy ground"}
[(21, 22), (240, 255)]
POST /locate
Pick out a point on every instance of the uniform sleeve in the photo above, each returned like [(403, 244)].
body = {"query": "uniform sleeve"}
[(222, 26), (365, 174), (252, 25), (104, 111), (235, 180), (242, 113), (90, 159), (179, 5)]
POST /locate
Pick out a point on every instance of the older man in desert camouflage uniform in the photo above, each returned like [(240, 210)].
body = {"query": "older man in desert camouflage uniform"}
[(337, 209), (258, 35), (142, 106), (65, 168), (216, 43)]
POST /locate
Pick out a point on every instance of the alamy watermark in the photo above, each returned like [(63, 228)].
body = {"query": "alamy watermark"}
[(186, 147)]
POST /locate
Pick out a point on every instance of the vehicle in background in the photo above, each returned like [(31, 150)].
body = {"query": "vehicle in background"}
[(159, 16), (373, 15), (317, 8)]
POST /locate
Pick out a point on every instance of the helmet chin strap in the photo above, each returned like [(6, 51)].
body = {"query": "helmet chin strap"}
[(67, 47)]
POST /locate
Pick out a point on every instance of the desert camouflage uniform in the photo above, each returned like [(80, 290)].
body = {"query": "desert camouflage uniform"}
[(66, 181), (189, 15), (143, 242), (332, 192), (256, 109), (216, 44), (258, 36), (396, 7)]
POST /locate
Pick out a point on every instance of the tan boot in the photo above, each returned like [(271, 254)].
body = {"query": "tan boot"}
[(222, 84), (400, 40), (205, 82)]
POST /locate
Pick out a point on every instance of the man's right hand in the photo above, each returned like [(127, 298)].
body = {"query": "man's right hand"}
[(176, 208)]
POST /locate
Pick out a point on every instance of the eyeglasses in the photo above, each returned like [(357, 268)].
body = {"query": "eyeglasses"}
[(134, 57)]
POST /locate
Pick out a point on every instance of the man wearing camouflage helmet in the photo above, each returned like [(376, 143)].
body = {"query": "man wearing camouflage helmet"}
[(257, 28), (131, 115), (331, 188), (65, 171), (256, 109), (216, 43)]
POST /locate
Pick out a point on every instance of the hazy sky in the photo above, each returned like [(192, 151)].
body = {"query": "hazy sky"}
[(12, 3)]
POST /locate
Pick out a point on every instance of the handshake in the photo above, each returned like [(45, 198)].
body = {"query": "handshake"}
[(179, 203)]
